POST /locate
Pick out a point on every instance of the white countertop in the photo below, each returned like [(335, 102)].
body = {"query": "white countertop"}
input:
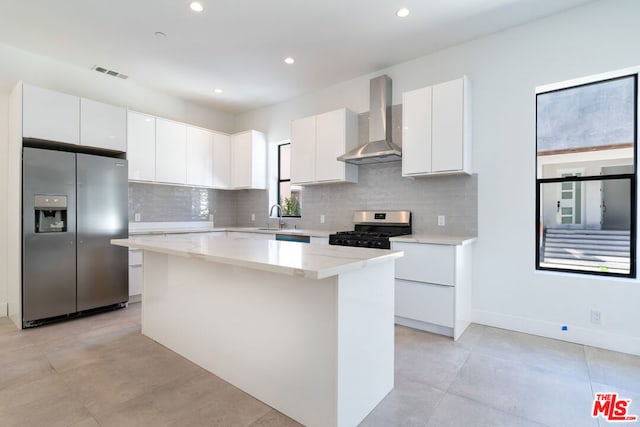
[(291, 258), (142, 228), (205, 227), (434, 240)]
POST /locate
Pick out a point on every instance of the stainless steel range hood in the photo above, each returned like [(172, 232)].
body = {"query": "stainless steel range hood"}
[(379, 148)]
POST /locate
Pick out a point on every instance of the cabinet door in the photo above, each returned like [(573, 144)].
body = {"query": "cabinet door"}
[(241, 156), (303, 150), (171, 151), (221, 161), (103, 125), (425, 302), (258, 160), (448, 120), (50, 115), (199, 157), (416, 131), (141, 150), (426, 263), (330, 143)]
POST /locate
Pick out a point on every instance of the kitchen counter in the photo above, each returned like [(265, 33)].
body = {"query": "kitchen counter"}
[(165, 228), (434, 240), (308, 329), (300, 231), (290, 258), (139, 228)]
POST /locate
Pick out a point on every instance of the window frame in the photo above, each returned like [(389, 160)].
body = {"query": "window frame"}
[(631, 177), (280, 180)]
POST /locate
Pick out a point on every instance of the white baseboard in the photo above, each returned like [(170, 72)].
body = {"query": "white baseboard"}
[(574, 334), (3, 309), (424, 326), (135, 298)]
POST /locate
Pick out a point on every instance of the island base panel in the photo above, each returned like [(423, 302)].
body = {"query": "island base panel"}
[(320, 351)]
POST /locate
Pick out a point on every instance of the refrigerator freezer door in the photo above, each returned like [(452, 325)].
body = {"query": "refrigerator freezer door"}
[(49, 259), (102, 200)]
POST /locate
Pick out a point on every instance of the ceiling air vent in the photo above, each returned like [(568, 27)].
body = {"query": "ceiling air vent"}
[(109, 72)]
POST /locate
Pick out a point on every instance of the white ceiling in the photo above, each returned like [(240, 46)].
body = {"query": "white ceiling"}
[(239, 45)]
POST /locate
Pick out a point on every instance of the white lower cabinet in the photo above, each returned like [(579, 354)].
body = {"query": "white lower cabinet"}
[(255, 236), (425, 302), (433, 287), (135, 272), (319, 240)]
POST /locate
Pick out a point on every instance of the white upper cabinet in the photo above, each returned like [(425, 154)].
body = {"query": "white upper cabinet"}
[(249, 160), (221, 161), (199, 157), (141, 153), (171, 151), (50, 115), (436, 132), (316, 141), (448, 126), (103, 125), (303, 150), (416, 134)]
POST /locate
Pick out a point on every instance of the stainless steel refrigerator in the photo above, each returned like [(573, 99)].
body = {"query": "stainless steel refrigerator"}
[(73, 204)]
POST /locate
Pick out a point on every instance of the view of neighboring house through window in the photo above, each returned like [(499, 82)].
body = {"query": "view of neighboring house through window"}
[(288, 195), (586, 139)]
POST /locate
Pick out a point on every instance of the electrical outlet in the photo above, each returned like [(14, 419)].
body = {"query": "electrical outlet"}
[(596, 317), (253, 217), (136, 217), (441, 220), (321, 219)]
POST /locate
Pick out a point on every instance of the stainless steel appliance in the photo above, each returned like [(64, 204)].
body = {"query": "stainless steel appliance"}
[(380, 147), (73, 204), (373, 229)]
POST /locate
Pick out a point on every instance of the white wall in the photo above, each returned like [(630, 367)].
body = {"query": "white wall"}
[(505, 69), (4, 138), (16, 64)]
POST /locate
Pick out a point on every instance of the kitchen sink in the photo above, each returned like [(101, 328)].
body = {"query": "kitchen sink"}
[(270, 229)]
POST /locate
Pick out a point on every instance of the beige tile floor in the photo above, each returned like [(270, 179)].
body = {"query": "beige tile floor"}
[(99, 371)]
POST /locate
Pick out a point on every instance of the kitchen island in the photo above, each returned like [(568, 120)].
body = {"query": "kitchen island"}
[(307, 329)]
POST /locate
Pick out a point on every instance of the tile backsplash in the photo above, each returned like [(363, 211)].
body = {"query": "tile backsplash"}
[(380, 187), (169, 203)]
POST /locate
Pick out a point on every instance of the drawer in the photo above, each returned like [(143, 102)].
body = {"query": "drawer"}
[(426, 263), (425, 302), (135, 257)]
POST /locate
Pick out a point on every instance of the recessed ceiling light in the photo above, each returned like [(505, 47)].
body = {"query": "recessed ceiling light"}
[(403, 12), (218, 91), (289, 60), (196, 6)]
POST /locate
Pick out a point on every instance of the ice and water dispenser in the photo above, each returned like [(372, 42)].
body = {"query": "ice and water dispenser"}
[(50, 213)]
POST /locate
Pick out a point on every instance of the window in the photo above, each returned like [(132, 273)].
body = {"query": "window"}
[(288, 195), (586, 137)]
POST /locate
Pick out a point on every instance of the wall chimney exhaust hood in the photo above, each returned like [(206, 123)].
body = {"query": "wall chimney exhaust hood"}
[(379, 149)]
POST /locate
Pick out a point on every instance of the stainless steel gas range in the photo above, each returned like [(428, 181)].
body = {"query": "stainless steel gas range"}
[(373, 229)]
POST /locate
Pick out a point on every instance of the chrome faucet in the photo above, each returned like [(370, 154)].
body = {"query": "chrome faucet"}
[(281, 221)]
